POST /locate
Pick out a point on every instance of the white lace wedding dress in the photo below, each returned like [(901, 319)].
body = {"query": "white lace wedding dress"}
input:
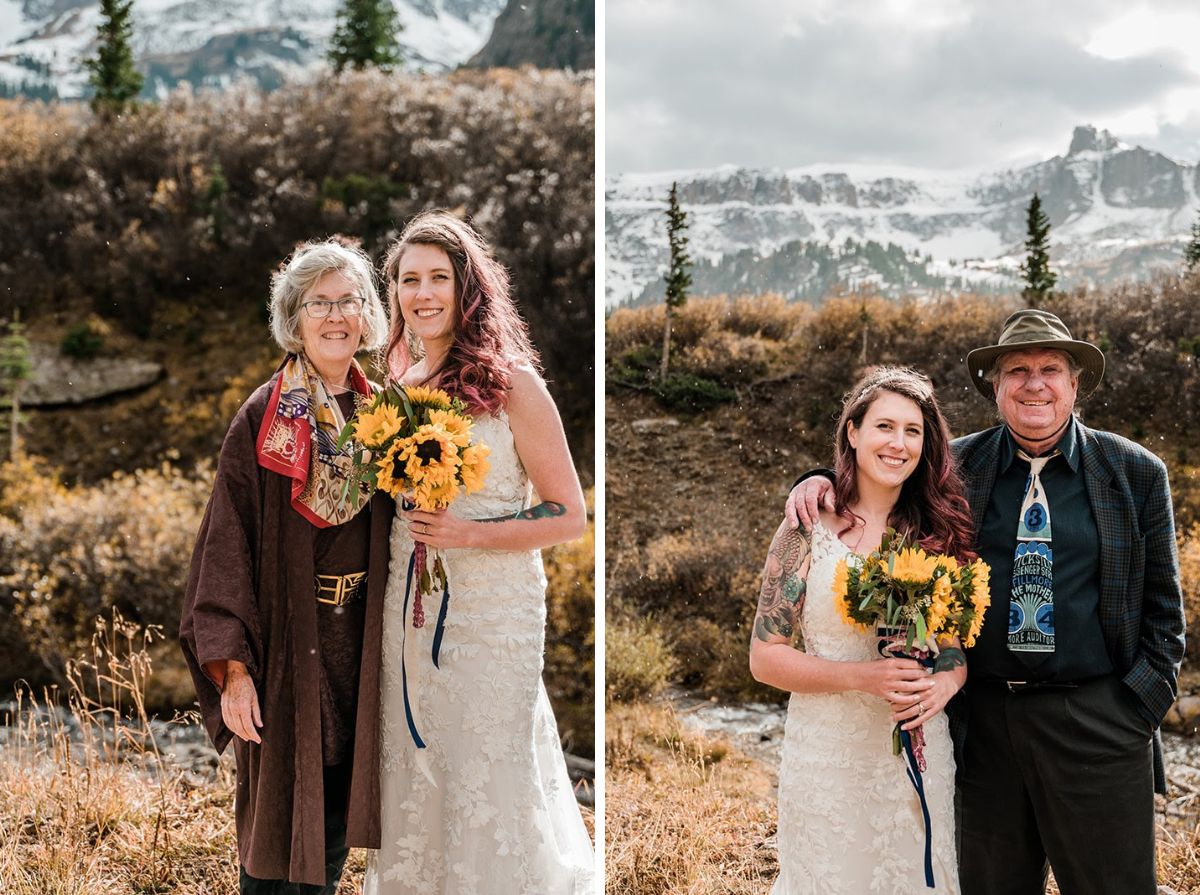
[(849, 820), (486, 808)]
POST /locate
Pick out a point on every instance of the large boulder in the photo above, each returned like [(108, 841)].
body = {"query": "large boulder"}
[(57, 379)]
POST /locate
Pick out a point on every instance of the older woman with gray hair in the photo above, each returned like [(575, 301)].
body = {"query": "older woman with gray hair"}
[(283, 609)]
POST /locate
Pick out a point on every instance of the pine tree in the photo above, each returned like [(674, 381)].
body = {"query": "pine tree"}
[(1039, 278), (1191, 253), (365, 35), (678, 278), (113, 76), (15, 368)]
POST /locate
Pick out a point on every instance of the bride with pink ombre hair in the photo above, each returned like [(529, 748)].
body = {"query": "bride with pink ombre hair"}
[(473, 786)]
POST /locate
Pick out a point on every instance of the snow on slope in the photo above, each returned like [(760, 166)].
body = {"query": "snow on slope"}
[(1116, 211), (437, 35)]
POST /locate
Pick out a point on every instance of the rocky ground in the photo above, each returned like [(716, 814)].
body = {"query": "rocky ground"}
[(757, 730), (183, 745)]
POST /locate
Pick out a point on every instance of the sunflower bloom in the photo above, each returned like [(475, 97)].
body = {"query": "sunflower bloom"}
[(474, 466), (458, 426), (431, 457), (949, 563), (981, 598), (435, 497), (913, 566), (939, 606), (841, 587), (373, 428), (391, 476), (420, 396)]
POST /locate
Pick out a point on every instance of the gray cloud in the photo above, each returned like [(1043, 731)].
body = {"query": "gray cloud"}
[(705, 82)]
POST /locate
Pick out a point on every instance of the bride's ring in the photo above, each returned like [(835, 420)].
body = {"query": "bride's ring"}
[(920, 708)]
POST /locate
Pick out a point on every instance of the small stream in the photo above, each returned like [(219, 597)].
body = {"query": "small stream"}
[(184, 747), (756, 728)]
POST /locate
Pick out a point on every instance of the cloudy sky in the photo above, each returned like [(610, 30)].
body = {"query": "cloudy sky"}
[(939, 84)]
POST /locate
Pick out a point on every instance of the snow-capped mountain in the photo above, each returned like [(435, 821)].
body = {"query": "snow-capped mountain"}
[(212, 42), (1117, 212)]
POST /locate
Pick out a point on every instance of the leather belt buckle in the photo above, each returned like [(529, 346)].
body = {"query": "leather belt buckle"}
[(338, 590)]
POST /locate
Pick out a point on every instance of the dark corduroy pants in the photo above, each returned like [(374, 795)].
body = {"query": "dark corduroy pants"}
[(337, 794), (1060, 778)]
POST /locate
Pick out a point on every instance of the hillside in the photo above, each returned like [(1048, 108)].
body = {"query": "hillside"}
[(167, 224), (152, 238), (694, 496), (542, 33)]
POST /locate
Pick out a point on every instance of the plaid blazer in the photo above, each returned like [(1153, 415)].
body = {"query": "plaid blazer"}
[(1141, 602)]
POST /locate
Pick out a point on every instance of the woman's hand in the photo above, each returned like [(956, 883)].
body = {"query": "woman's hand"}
[(913, 710), (440, 529), (239, 703), (894, 679)]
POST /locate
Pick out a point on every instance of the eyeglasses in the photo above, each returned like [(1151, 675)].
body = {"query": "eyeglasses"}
[(350, 307)]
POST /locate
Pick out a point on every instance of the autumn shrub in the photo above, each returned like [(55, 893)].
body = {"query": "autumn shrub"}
[(689, 393), (26, 483), (195, 200), (570, 663), (700, 589), (639, 660), (727, 341), (770, 316), (729, 357), (125, 544), (1189, 569), (84, 340), (1185, 492)]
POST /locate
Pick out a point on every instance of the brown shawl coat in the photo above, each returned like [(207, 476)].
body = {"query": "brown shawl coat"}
[(250, 597)]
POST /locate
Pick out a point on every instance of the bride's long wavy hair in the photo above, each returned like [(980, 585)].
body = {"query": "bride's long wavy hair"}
[(932, 507), (490, 338)]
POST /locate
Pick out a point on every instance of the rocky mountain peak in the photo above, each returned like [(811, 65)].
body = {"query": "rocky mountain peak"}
[(1087, 139)]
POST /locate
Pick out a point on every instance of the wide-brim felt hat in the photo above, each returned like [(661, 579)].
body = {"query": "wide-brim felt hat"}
[(1033, 329)]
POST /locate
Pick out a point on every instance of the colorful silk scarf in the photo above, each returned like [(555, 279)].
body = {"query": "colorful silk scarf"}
[(298, 439)]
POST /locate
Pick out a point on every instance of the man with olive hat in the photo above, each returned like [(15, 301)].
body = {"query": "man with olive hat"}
[(1059, 752)]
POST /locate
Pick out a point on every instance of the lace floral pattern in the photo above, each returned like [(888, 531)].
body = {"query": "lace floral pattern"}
[(849, 820), (487, 807)]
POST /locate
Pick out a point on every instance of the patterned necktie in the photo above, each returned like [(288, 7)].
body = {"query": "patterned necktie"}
[(1031, 609)]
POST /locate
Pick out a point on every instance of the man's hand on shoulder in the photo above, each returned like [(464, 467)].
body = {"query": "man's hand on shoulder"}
[(808, 497)]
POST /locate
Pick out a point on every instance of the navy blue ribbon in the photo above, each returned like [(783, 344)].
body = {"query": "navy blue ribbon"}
[(914, 776), (440, 628), (412, 726), (438, 632)]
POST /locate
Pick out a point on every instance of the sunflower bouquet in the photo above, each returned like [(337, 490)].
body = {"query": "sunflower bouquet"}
[(415, 444), (911, 599)]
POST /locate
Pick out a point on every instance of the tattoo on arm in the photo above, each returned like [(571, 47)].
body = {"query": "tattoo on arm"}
[(544, 510), (950, 657), (783, 589)]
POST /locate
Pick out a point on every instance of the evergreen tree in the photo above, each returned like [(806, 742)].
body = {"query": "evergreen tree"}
[(113, 76), (15, 368), (1039, 278), (678, 278), (365, 35), (1191, 253), (214, 203)]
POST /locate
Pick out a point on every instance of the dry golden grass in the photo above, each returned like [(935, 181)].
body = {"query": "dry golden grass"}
[(104, 811), (100, 810), (684, 813)]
